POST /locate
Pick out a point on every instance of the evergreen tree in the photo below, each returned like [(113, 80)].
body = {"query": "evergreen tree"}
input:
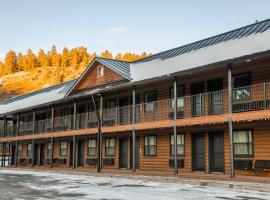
[(42, 58), (10, 63)]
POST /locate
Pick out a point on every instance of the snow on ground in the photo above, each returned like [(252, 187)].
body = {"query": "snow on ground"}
[(49, 185)]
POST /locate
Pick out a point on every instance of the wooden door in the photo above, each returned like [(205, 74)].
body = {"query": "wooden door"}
[(216, 148), (80, 154), (137, 153), (124, 109), (198, 152), (123, 152)]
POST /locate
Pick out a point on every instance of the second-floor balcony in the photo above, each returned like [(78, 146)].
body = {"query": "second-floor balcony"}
[(248, 98)]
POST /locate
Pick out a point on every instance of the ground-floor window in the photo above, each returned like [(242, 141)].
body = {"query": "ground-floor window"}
[(20, 150), (180, 144), (49, 150), (92, 147), (63, 149), (29, 150), (150, 145), (243, 143), (109, 148)]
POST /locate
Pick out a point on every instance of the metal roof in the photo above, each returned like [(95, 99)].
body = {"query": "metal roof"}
[(245, 31), (36, 98), (120, 67)]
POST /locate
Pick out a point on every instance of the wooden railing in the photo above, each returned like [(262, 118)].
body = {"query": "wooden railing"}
[(249, 98)]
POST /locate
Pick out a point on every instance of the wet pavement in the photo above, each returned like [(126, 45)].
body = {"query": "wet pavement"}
[(30, 185)]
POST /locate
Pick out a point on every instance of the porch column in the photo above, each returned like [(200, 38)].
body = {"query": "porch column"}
[(16, 145), (230, 123), (34, 122), (2, 156), (52, 120), (33, 153), (100, 134), (174, 126), (74, 137), (51, 164), (74, 151), (133, 130)]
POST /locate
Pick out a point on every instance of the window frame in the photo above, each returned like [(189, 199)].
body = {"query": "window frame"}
[(179, 97), (154, 102), (49, 150), (238, 94), (109, 147), (61, 149), (100, 69), (88, 148), (29, 151), (247, 143), (146, 146), (20, 150), (171, 145)]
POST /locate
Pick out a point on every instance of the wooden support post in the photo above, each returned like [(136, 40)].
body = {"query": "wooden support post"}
[(52, 120), (133, 130), (230, 123), (16, 145), (34, 122), (74, 115), (2, 155), (51, 164), (174, 126), (33, 153), (74, 137), (74, 152)]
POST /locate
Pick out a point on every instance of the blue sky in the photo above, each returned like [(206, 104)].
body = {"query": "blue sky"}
[(120, 25)]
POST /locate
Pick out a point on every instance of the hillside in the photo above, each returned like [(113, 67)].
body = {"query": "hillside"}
[(20, 74)]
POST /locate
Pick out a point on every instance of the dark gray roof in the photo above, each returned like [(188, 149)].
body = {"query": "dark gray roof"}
[(120, 67), (36, 98), (230, 35)]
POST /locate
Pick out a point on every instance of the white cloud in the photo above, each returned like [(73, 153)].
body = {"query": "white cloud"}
[(118, 29)]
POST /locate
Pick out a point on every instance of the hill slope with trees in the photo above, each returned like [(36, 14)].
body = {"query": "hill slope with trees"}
[(23, 73)]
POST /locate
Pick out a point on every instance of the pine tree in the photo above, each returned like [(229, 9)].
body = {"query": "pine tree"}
[(20, 62), (32, 61), (42, 58), (65, 60), (106, 54), (10, 63)]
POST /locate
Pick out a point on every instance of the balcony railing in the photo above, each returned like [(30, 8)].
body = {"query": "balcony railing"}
[(254, 97)]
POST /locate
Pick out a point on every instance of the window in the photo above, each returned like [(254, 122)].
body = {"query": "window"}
[(180, 97), (63, 149), (92, 147), (49, 149), (109, 150), (29, 150), (150, 144), (242, 87), (100, 71), (20, 146), (243, 144), (180, 144), (150, 99)]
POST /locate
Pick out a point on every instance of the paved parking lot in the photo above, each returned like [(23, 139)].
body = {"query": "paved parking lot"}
[(15, 184)]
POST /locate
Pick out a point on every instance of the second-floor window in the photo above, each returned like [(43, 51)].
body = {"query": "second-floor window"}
[(180, 93), (150, 145), (63, 149), (150, 104), (20, 150), (49, 150), (29, 150), (179, 143), (243, 143), (242, 87), (100, 71), (109, 148), (92, 147)]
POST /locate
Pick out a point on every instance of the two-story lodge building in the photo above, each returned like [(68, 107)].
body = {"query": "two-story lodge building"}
[(202, 107)]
